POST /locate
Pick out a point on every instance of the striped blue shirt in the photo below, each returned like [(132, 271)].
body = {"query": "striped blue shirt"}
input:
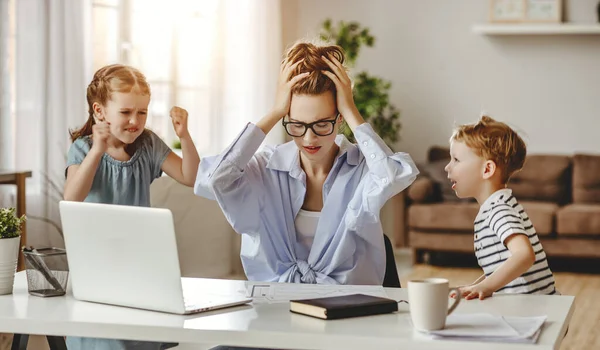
[(262, 193), (500, 217)]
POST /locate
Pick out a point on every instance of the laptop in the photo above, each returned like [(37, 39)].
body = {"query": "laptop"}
[(127, 256)]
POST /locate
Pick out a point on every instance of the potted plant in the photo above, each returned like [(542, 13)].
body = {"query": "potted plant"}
[(371, 94), (10, 238)]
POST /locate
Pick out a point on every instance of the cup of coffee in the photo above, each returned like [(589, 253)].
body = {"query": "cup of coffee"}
[(428, 303)]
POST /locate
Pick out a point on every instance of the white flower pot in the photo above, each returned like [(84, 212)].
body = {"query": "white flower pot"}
[(9, 253)]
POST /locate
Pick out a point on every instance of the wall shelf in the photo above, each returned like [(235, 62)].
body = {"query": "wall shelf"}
[(537, 29)]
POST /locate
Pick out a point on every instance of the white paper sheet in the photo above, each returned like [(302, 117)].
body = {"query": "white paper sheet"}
[(284, 292), (487, 327)]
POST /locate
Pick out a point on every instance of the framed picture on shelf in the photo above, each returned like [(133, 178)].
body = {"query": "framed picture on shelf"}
[(543, 11), (526, 11), (507, 11)]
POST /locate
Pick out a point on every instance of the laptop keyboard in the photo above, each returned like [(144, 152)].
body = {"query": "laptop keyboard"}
[(193, 303)]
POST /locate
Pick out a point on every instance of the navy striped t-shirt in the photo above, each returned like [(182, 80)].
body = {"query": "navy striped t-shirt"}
[(500, 217)]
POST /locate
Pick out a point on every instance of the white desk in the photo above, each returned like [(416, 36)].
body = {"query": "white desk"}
[(265, 325)]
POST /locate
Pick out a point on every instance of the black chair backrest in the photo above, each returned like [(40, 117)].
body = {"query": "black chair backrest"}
[(391, 278)]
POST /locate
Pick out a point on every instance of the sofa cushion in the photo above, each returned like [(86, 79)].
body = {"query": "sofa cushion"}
[(422, 190), (542, 215), (460, 216), (543, 178), (436, 153), (578, 219), (443, 216), (586, 178), (205, 240), (442, 190)]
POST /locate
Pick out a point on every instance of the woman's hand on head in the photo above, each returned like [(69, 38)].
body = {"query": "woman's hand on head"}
[(100, 135), (285, 84), (179, 117), (343, 85)]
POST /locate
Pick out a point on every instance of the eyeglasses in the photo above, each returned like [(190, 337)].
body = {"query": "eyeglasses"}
[(320, 128)]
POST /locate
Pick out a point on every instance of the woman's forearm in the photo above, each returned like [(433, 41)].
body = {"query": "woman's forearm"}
[(268, 122)]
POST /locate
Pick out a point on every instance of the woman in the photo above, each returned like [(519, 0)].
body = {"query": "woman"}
[(308, 210)]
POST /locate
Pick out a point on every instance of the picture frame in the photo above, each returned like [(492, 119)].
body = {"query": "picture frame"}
[(545, 11), (526, 11), (507, 11)]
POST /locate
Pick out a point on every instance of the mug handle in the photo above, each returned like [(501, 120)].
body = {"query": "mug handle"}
[(456, 300)]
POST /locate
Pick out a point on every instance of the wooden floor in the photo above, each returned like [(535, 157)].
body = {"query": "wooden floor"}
[(584, 330), (585, 325)]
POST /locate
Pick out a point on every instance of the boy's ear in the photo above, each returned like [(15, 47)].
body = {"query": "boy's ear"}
[(489, 169)]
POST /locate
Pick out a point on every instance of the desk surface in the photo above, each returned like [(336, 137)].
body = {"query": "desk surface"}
[(265, 325)]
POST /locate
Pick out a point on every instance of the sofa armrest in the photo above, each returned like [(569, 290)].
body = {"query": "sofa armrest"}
[(422, 190)]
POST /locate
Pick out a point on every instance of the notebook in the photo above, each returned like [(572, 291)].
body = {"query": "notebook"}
[(344, 306)]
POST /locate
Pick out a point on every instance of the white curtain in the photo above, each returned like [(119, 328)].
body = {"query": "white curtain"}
[(54, 59), (6, 77), (52, 70), (249, 52)]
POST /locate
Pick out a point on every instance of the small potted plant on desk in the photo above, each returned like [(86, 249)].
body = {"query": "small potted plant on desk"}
[(10, 238)]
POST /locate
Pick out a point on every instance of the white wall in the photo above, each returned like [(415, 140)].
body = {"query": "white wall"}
[(442, 73)]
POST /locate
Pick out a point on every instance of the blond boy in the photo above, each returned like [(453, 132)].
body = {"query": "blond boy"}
[(484, 156)]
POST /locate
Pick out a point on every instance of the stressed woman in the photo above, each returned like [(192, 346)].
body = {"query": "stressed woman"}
[(308, 210)]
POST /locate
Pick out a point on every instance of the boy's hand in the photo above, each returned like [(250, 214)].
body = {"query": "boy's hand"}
[(179, 117), (478, 290)]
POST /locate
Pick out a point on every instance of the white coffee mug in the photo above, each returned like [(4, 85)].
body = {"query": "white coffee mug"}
[(428, 303)]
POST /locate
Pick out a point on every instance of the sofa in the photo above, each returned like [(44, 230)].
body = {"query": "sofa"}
[(560, 193), (208, 247)]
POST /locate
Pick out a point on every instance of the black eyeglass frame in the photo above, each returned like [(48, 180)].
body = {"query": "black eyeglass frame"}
[(310, 126)]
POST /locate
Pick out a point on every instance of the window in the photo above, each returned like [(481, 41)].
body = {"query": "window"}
[(172, 43)]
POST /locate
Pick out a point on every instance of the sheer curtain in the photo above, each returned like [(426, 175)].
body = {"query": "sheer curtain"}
[(218, 59), (53, 63), (248, 59), (50, 73)]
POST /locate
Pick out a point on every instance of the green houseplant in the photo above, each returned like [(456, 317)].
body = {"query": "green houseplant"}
[(371, 94), (10, 224), (10, 238)]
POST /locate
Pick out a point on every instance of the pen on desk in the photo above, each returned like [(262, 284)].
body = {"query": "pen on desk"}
[(39, 265)]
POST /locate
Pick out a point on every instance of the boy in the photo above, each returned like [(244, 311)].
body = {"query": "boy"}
[(483, 157)]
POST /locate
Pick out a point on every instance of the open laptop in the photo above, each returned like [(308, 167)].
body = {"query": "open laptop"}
[(126, 255)]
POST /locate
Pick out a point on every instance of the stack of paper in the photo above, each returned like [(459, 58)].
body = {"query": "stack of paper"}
[(284, 292), (487, 327)]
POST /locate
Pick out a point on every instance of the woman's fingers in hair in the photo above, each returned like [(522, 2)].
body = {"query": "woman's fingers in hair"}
[(290, 69), (298, 78), (337, 68), (333, 77)]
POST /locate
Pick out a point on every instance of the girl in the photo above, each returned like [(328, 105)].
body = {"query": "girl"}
[(114, 159), (308, 210)]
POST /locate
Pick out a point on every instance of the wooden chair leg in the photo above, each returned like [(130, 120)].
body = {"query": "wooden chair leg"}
[(20, 342), (21, 210)]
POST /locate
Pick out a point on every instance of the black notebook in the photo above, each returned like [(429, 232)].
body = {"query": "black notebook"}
[(344, 306)]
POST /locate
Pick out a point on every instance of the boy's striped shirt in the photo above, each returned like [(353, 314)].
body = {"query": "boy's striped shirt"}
[(500, 217)]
